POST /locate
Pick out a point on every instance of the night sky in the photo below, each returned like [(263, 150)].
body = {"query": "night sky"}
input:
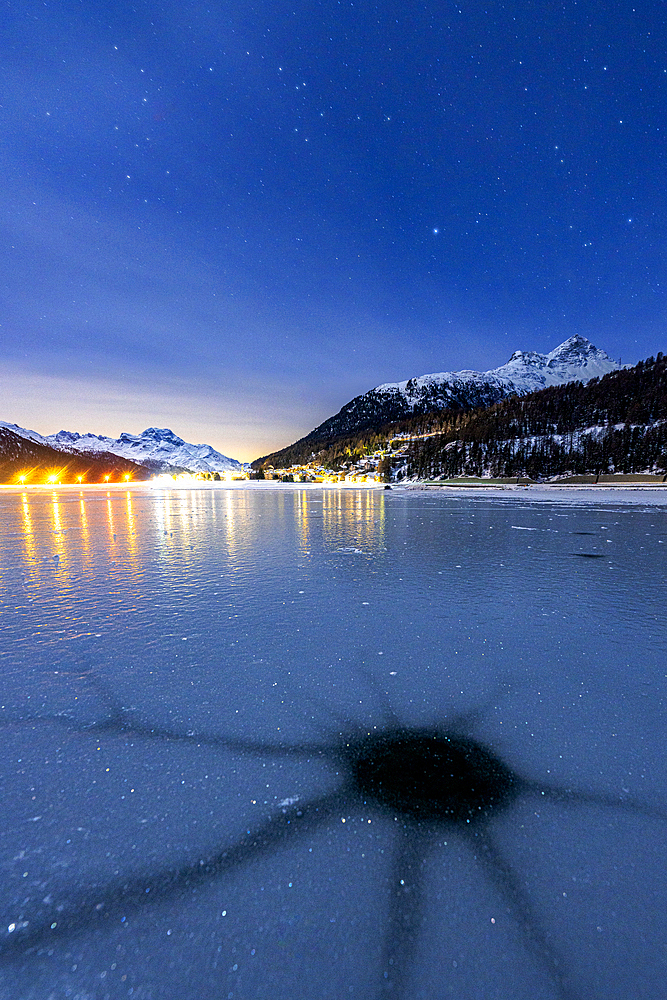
[(231, 218)]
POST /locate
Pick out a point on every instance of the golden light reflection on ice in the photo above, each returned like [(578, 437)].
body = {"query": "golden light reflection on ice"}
[(85, 530), (59, 540), (303, 521), (131, 531), (110, 522), (354, 518), (28, 530)]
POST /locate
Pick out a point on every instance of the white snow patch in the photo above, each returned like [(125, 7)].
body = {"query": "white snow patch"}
[(157, 447), (575, 360)]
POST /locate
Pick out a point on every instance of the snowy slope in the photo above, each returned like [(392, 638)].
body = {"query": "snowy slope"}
[(23, 432), (575, 360), (526, 371), (156, 447), (159, 449)]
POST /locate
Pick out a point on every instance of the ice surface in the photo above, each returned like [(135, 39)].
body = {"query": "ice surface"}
[(177, 693)]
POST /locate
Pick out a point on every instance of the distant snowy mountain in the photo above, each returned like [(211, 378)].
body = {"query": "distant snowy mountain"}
[(575, 360), (156, 448), (26, 457)]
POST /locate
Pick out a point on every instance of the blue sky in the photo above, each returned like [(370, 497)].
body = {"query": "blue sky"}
[(231, 218)]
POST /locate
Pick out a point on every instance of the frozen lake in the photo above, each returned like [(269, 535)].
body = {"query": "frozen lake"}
[(193, 682)]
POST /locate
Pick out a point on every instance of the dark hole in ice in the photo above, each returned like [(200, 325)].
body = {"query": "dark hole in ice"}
[(589, 555), (432, 776)]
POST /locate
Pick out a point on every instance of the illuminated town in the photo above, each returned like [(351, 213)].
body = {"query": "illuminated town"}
[(369, 469)]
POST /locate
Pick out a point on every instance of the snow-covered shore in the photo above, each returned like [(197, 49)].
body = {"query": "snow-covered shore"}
[(625, 494)]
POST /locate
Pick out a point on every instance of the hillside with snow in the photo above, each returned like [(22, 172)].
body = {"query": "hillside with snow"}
[(25, 456), (575, 360), (613, 425), (156, 449)]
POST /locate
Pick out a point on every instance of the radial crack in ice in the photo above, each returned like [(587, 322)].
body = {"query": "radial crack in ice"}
[(428, 780)]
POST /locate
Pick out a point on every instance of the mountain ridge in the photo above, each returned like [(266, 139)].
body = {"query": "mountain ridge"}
[(24, 458), (616, 424), (156, 449), (576, 359)]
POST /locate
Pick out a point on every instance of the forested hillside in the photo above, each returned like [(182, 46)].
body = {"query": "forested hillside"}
[(617, 423), (614, 424), (575, 360)]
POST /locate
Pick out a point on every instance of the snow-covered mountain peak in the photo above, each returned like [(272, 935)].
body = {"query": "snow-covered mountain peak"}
[(575, 350), (528, 357), (154, 434), (575, 360), (158, 448), (155, 439)]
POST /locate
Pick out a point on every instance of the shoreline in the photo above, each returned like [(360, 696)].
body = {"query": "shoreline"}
[(624, 493)]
